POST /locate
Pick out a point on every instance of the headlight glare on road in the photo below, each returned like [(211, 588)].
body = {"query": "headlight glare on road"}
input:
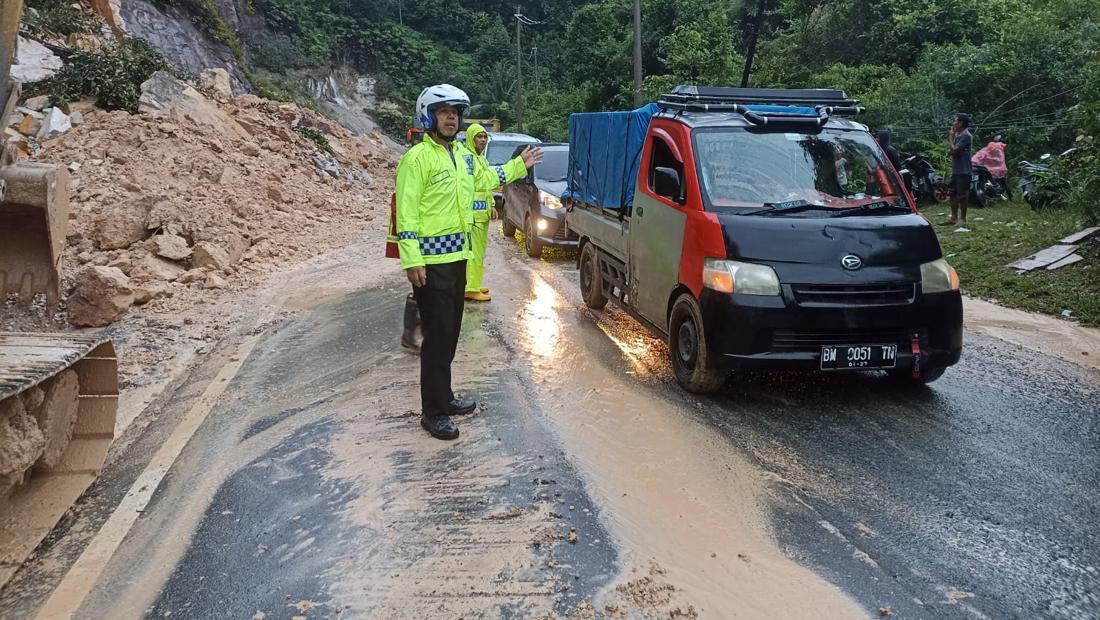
[(549, 201), (938, 277), (729, 276)]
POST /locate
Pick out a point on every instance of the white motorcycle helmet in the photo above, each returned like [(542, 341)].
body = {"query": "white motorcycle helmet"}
[(441, 94)]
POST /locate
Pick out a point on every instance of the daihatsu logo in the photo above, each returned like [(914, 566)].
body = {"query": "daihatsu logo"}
[(851, 262)]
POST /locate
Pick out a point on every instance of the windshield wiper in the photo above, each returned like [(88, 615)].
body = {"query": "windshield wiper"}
[(880, 205), (772, 208)]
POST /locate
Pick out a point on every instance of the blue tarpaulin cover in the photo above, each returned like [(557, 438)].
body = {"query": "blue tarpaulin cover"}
[(605, 149)]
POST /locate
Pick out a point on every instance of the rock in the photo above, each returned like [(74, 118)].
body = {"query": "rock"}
[(250, 149), (37, 103), (74, 167), (163, 96), (55, 124), (216, 83), (173, 247), (102, 296), (120, 226), (152, 268), (207, 254), (76, 118), (148, 291), (21, 443), (275, 195), (34, 62), (214, 280), (192, 275), (29, 126), (15, 118), (29, 112)]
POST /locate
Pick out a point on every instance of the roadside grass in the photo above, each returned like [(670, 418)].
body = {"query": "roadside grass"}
[(1008, 231)]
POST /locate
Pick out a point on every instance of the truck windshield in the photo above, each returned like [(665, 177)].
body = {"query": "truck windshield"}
[(835, 168)]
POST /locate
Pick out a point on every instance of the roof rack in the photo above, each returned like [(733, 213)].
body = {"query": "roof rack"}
[(764, 106)]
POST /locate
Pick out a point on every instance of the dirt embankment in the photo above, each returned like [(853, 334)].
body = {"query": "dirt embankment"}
[(195, 194)]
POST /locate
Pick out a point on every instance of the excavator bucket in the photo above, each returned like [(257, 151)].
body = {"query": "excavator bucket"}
[(34, 198), (34, 213), (58, 403)]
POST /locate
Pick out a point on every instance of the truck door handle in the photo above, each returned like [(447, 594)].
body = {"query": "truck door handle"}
[(640, 213)]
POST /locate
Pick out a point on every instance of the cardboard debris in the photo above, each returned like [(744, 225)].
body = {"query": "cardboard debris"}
[(1043, 258), (1069, 260), (1078, 237)]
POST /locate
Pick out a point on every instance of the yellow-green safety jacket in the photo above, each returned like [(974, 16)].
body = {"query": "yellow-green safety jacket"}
[(483, 201), (435, 194)]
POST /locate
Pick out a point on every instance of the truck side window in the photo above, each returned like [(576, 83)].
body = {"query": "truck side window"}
[(663, 158)]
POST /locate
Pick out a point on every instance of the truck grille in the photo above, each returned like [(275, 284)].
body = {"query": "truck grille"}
[(813, 340), (895, 294)]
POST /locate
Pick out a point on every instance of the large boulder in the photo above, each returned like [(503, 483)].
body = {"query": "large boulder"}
[(210, 255), (215, 82), (34, 62), (55, 124), (172, 247), (102, 296), (163, 96), (120, 226), (150, 268)]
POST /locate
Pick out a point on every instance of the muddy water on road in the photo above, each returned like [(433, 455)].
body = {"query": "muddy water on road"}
[(673, 492)]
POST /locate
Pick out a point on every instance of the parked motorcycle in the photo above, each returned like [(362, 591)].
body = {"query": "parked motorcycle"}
[(922, 180), (984, 188), (1040, 183)]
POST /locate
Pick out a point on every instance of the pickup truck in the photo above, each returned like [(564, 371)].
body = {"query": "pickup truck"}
[(759, 229)]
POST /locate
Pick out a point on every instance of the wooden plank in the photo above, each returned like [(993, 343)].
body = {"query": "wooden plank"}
[(1043, 258), (1078, 237), (1069, 260)]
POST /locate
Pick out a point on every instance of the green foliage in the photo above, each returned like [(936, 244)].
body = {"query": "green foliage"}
[(53, 17), (113, 76), (391, 120), (317, 137), (272, 86)]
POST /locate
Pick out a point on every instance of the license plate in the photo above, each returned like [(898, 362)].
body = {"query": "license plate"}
[(859, 356)]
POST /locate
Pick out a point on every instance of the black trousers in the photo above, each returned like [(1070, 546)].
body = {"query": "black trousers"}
[(440, 302)]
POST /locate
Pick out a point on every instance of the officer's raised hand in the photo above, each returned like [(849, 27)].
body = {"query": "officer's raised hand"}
[(531, 156)]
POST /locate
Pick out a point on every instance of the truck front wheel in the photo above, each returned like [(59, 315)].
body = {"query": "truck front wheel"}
[(591, 279), (697, 369)]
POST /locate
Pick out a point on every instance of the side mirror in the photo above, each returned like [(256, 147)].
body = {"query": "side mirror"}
[(666, 183)]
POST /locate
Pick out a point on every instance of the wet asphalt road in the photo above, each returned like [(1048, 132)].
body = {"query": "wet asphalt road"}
[(976, 497)]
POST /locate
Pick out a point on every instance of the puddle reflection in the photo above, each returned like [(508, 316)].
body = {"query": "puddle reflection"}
[(540, 319)]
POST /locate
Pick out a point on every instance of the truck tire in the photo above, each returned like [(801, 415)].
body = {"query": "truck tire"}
[(591, 279), (531, 241), (696, 368), (508, 228)]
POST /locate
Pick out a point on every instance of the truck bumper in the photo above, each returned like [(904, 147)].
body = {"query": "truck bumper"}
[(774, 333)]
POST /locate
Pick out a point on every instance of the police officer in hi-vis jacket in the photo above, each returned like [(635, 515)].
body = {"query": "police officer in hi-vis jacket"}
[(436, 183)]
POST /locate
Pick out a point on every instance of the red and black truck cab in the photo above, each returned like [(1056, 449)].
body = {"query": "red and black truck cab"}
[(762, 229)]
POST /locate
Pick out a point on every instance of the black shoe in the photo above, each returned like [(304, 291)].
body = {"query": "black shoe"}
[(408, 342), (440, 427), (462, 406)]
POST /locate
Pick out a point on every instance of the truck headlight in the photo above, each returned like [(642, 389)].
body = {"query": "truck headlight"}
[(729, 276), (549, 201), (938, 277)]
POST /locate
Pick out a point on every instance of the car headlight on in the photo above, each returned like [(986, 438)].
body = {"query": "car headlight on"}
[(549, 201), (541, 225), (729, 276), (938, 277)]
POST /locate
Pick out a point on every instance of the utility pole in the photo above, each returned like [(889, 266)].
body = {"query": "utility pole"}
[(521, 21), (750, 53), (637, 53), (535, 50), (519, 72)]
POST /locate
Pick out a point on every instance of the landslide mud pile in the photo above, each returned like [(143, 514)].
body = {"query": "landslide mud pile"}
[(198, 192)]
